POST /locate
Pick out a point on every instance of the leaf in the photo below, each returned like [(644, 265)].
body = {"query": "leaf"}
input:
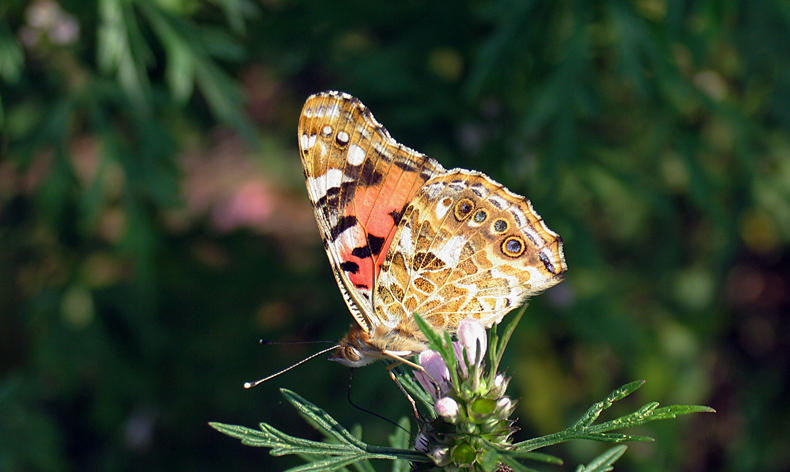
[(400, 439), (328, 456), (594, 411), (191, 52), (498, 342), (410, 385), (12, 58), (440, 344), (583, 428), (123, 51), (320, 419), (534, 456), (603, 463), (515, 464)]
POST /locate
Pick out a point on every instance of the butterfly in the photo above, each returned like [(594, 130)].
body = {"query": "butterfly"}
[(404, 235)]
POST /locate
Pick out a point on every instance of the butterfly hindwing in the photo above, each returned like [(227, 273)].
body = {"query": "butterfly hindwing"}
[(467, 247)]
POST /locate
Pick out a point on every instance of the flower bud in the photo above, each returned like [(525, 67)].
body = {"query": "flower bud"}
[(503, 407), (472, 334), (440, 456), (447, 408), (500, 386)]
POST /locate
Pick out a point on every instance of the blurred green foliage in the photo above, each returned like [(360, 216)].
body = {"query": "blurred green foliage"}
[(153, 222)]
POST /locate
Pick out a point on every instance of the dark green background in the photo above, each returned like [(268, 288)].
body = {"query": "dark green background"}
[(154, 223)]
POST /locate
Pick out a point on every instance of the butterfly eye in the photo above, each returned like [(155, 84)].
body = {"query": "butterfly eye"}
[(500, 226), (351, 354), (480, 216), (463, 208), (513, 246)]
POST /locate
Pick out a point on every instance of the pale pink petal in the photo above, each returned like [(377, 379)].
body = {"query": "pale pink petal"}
[(436, 375), (471, 333), (421, 442), (447, 408)]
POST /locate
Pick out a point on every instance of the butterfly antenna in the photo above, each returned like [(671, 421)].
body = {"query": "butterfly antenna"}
[(350, 377), (253, 384)]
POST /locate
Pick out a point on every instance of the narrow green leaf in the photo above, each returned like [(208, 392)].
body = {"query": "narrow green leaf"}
[(279, 442), (363, 466), (499, 341), (123, 50), (534, 456), (448, 354), (583, 428), (613, 437), (594, 411), (328, 465), (320, 419), (434, 340), (12, 58), (515, 464), (401, 439), (604, 462), (234, 13), (649, 413), (441, 344)]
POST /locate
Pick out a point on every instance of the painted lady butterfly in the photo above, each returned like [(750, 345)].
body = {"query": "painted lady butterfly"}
[(406, 236)]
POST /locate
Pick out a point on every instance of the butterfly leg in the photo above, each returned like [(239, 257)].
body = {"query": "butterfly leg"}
[(401, 360), (397, 382)]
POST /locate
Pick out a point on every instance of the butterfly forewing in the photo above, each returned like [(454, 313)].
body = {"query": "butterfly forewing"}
[(359, 181)]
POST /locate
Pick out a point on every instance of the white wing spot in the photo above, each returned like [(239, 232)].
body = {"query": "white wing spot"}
[(342, 137), (327, 130), (356, 155), (364, 131), (432, 190), (498, 201), (451, 251), (321, 184), (333, 111), (405, 238), (533, 236), (349, 238), (547, 254), (441, 209), (518, 215), (307, 141)]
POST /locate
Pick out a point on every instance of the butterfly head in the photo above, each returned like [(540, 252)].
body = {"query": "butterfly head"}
[(355, 349)]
